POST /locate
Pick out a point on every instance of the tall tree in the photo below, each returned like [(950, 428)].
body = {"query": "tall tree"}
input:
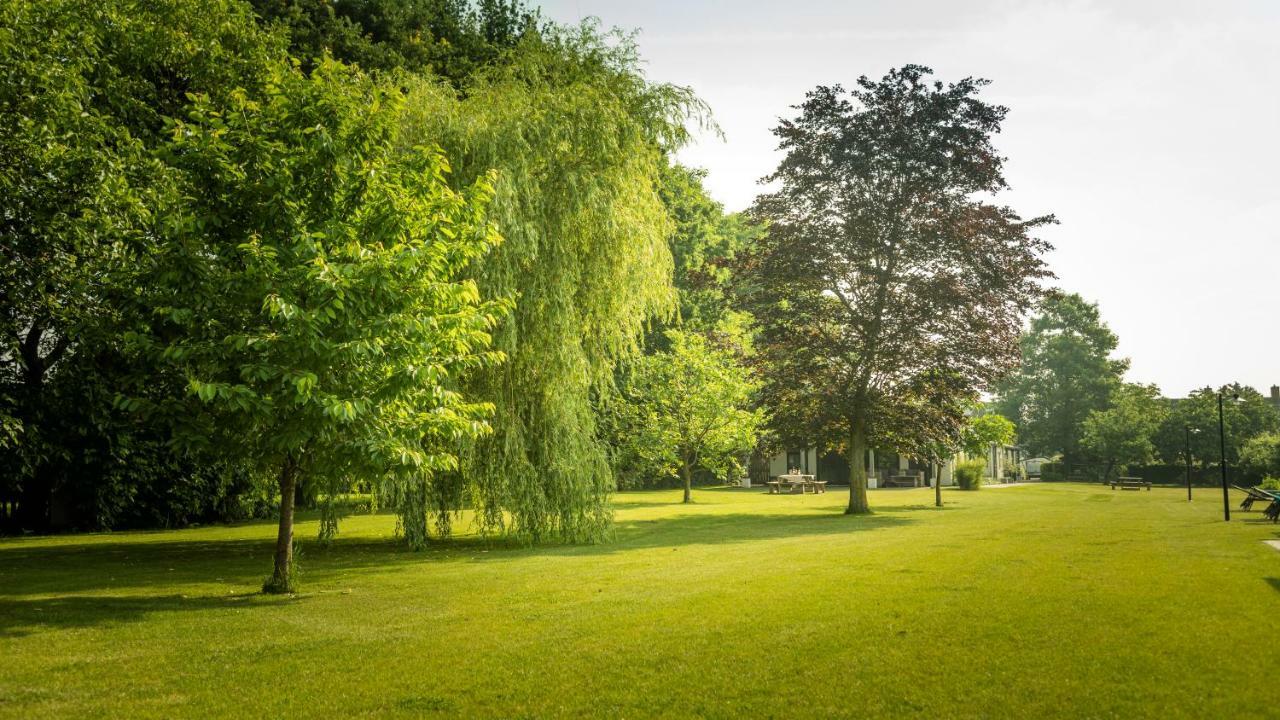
[(1122, 433), (687, 409), (885, 276), (1066, 373), (311, 291)]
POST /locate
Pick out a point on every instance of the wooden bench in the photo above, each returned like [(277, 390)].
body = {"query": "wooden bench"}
[(1130, 483), (902, 481)]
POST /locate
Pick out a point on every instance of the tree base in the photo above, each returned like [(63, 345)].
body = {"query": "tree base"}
[(276, 585), (857, 511)]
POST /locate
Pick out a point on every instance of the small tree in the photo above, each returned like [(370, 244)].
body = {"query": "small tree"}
[(984, 430), (308, 290), (1123, 433), (688, 408)]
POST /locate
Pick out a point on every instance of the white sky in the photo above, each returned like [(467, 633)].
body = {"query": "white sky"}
[(1147, 126)]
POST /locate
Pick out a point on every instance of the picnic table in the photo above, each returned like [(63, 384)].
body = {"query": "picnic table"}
[(794, 483), (902, 481), (1130, 483)]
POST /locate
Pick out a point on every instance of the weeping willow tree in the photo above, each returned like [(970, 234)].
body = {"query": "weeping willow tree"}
[(577, 138)]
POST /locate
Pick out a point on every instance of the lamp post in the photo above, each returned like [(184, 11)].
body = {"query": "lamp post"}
[(1222, 457), (1187, 455)]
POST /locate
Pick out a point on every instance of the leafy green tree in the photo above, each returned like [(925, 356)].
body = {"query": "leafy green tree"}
[(1244, 419), (1123, 433), (983, 430), (888, 290), (578, 139), (310, 290), (688, 408), (1260, 456), (704, 244), (1066, 373)]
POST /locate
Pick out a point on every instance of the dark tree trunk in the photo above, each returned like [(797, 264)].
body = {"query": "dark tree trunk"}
[(858, 469), (282, 576), (688, 482)]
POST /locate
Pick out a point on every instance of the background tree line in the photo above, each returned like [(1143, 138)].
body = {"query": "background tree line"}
[(1071, 402)]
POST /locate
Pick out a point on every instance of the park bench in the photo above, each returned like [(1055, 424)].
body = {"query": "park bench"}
[(1130, 483), (902, 481)]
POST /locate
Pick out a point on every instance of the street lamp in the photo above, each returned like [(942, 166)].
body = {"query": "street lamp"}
[(1222, 456), (1189, 430)]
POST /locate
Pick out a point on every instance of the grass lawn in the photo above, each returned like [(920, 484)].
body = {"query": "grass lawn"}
[(1040, 600)]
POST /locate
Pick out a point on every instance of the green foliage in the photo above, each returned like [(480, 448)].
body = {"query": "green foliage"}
[(310, 290), (82, 105), (1260, 456), (1066, 373), (1122, 433), (704, 243), (452, 39), (1247, 418), (685, 409), (1270, 483), (969, 474), (578, 139), (983, 430), (884, 332)]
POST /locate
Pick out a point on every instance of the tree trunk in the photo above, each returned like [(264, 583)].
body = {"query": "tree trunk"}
[(688, 482), (937, 484), (282, 577), (858, 469)]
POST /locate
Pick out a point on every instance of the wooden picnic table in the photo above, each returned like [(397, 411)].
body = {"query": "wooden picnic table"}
[(797, 483), (1130, 483)]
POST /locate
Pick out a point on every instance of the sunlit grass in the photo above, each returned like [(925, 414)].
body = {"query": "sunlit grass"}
[(1030, 601)]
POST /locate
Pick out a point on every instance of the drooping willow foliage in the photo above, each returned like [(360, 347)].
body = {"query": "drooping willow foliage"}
[(577, 137)]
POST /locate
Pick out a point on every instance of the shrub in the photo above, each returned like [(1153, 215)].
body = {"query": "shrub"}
[(1051, 471), (1270, 483), (969, 474)]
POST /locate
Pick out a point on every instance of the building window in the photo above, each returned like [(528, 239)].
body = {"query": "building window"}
[(793, 460)]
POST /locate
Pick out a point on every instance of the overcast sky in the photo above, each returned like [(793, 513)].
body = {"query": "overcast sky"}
[(1148, 128)]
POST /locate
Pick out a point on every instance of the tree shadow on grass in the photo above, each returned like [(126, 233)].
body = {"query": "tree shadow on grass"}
[(28, 616), (45, 586), (1274, 583)]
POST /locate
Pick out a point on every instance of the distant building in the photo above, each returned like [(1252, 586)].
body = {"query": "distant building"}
[(1274, 397), (888, 468)]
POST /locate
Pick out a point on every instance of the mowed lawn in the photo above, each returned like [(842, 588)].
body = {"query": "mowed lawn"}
[(1031, 601)]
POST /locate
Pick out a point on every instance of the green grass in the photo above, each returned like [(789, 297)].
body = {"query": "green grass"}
[(1041, 600)]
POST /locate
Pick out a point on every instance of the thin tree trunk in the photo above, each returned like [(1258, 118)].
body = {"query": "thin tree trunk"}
[(282, 577), (688, 482), (937, 484), (858, 469)]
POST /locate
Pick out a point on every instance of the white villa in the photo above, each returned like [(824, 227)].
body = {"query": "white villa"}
[(887, 469)]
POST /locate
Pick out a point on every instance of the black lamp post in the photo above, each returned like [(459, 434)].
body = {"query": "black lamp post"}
[(1222, 455), (1188, 457)]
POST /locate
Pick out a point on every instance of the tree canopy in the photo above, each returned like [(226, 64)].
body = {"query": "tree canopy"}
[(687, 408), (889, 291), (1067, 371)]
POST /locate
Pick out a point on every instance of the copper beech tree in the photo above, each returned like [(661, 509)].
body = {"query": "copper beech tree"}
[(890, 289)]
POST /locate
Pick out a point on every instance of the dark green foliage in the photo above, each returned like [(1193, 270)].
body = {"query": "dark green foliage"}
[(1247, 418), (1066, 372), (969, 474), (85, 93), (452, 39)]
